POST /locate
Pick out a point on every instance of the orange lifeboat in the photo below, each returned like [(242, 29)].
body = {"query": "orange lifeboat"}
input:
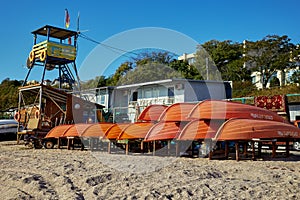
[(164, 131), (217, 109), (96, 130), (76, 130), (114, 131), (177, 112), (200, 129), (137, 130), (248, 129), (58, 131), (152, 112)]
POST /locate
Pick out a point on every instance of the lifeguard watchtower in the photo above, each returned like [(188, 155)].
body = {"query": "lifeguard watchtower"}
[(41, 106), (55, 49)]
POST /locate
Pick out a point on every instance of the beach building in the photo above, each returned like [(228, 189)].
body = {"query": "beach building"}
[(283, 77), (127, 101), (190, 58)]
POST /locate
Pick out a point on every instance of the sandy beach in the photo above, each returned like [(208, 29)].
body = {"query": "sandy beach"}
[(73, 174)]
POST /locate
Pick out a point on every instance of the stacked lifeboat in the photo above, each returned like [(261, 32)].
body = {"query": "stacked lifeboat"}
[(210, 119)]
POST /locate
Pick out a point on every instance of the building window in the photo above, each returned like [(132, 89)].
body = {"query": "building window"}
[(253, 79), (102, 99), (191, 61), (148, 93), (102, 91), (155, 92), (134, 96), (170, 91)]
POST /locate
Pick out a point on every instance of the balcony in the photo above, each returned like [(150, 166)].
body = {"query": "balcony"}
[(54, 52)]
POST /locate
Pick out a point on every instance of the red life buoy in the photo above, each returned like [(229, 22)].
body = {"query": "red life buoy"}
[(17, 116), (31, 56), (37, 114), (43, 55)]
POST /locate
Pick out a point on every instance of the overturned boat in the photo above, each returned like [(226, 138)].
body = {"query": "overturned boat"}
[(249, 129), (217, 109)]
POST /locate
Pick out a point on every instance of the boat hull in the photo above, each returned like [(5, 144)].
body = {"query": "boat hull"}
[(249, 129)]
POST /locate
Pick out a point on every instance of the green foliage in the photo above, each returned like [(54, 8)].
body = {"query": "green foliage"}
[(187, 71), (120, 72), (161, 57), (246, 89), (152, 66), (295, 78), (274, 82), (224, 58), (97, 82), (90, 84), (242, 89), (147, 72), (9, 93), (270, 54), (289, 89), (102, 81), (205, 65)]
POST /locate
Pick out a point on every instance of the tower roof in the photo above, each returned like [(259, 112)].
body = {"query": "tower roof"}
[(55, 32)]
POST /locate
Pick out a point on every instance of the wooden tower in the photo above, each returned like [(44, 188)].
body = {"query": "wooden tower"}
[(56, 52), (41, 107)]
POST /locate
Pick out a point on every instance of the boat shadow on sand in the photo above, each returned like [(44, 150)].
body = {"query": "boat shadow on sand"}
[(266, 155)]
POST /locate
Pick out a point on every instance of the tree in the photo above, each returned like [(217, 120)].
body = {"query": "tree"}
[(205, 65), (120, 72), (150, 71), (268, 55), (162, 57), (295, 78), (228, 58), (187, 71), (146, 66), (274, 82), (242, 88), (102, 81), (98, 81), (9, 93)]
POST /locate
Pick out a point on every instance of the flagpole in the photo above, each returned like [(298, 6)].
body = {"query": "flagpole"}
[(78, 16)]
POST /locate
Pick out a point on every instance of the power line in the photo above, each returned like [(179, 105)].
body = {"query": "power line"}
[(114, 49)]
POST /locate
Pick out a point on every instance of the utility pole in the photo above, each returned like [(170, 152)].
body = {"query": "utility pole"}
[(206, 65)]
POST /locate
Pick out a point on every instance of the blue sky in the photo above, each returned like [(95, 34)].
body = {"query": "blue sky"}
[(202, 20)]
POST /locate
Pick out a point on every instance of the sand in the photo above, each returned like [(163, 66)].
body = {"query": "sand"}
[(73, 174)]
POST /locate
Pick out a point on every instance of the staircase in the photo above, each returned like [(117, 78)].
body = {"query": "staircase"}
[(66, 75)]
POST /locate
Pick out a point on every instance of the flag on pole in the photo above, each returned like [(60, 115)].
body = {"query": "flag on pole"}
[(69, 40), (67, 19)]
